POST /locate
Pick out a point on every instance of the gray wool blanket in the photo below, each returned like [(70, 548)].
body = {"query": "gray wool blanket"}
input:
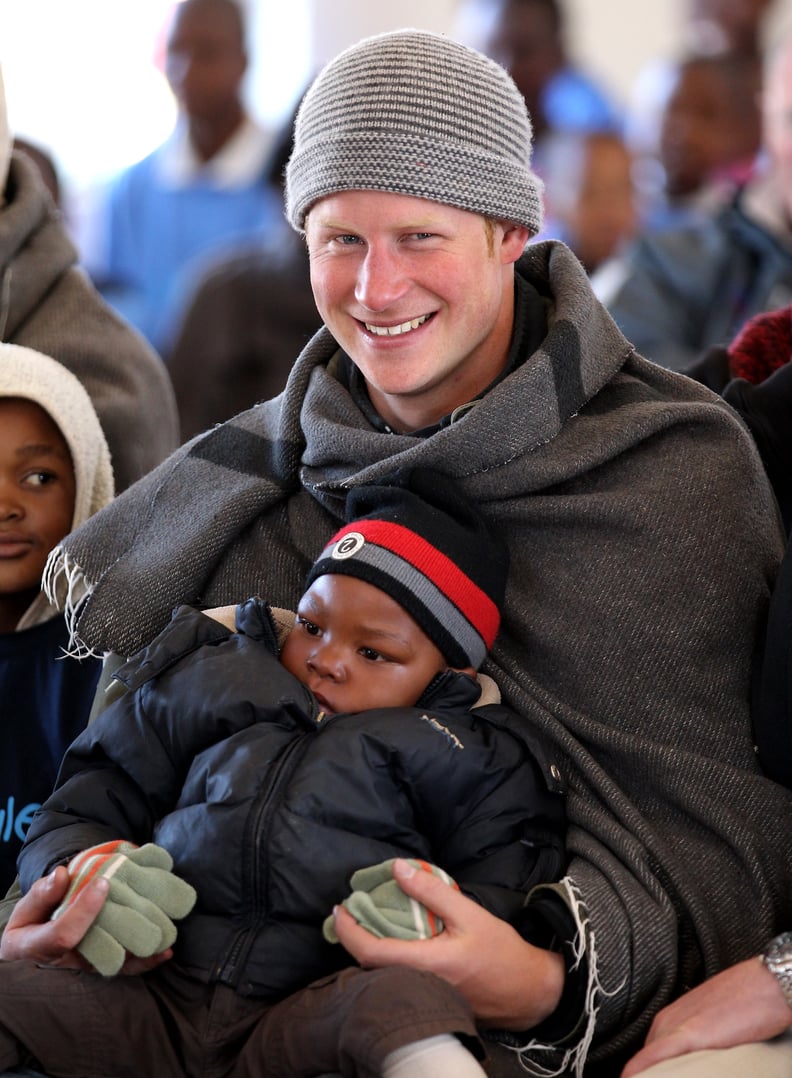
[(644, 543)]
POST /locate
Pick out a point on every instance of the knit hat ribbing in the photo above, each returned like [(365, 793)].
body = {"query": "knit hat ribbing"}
[(421, 541), (418, 114)]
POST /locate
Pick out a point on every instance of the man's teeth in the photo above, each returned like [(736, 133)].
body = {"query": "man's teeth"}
[(394, 331)]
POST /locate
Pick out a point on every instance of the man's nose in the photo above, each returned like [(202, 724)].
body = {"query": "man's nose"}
[(382, 279)]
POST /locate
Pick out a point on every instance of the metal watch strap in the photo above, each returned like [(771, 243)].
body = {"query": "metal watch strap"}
[(778, 959)]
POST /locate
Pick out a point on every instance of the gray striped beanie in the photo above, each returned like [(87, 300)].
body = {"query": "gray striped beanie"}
[(421, 541), (418, 114)]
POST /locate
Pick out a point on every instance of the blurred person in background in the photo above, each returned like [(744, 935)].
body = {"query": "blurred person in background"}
[(243, 317), (682, 289), (710, 28), (528, 38), (709, 138), (48, 304), (203, 186), (590, 196)]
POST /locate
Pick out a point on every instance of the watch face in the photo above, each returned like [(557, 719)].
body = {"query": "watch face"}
[(780, 949), (778, 959)]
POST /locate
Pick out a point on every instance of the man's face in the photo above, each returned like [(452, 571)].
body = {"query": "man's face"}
[(418, 294), (205, 60), (777, 121), (525, 40), (698, 134), (356, 649)]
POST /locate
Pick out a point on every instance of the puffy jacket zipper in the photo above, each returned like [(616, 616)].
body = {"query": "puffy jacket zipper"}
[(229, 970)]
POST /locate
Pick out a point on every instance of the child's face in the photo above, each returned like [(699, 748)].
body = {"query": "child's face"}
[(355, 648), (698, 135), (604, 214), (36, 501)]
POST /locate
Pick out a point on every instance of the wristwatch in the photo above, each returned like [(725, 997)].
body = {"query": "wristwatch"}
[(778, 959)]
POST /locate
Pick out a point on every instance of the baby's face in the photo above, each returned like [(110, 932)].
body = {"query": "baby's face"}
[(355, 648)]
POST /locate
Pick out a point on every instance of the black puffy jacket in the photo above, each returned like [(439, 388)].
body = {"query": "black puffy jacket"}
[(219, 754)]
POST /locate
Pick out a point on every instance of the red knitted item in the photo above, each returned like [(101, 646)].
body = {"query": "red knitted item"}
[(762, 346)]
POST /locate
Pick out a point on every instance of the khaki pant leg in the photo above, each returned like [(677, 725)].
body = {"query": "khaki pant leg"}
[(769, 1059)]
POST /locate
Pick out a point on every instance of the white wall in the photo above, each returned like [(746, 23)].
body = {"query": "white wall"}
[(338, 23), (616, 38)]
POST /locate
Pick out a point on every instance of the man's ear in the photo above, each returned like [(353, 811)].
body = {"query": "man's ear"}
[(515, 237)]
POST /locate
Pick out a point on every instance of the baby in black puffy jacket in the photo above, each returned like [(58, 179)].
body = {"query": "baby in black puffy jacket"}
[(272, 772)]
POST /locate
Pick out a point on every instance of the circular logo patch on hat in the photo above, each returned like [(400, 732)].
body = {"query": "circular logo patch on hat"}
[(348, 545)]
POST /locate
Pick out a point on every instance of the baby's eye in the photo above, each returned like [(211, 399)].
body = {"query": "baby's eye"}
[(373, 655), (308, 626)]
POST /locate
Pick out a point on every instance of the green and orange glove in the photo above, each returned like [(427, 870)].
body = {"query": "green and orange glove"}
[(144, 899), (378, 903)]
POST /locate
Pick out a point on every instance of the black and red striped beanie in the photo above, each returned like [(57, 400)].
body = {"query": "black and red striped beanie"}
[(419, 539)]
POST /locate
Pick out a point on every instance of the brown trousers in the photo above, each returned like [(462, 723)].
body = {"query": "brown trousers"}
[(73, 1024)]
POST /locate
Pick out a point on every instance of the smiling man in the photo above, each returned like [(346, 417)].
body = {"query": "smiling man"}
[(642, 533), (416, 280), (393, 284)]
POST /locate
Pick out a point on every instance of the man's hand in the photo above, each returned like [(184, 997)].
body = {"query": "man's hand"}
[(31, 935), (508, 982), (741, 1005)]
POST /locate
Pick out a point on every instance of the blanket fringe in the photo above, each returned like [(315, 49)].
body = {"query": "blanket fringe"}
[(560, 1061), (64, 584)]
